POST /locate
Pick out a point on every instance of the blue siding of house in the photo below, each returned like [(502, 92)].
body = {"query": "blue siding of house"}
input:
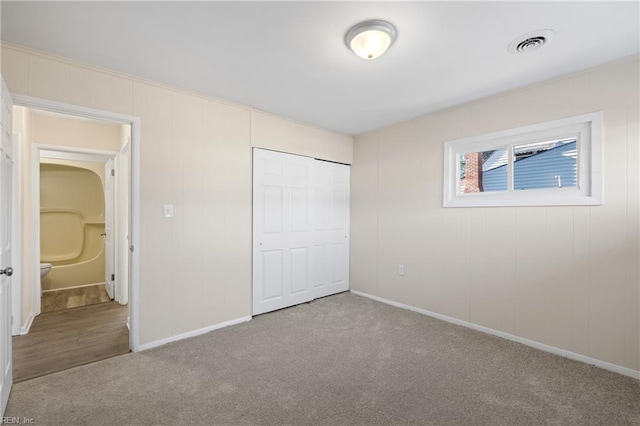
[(495, 179), (537, 171)]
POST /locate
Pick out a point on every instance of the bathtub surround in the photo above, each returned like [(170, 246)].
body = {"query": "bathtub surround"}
[(72, 215), (95, 167)]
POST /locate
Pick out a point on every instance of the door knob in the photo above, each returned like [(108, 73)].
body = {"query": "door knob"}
[(8, 271)]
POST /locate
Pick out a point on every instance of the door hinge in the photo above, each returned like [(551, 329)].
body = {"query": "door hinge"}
[(131, 249), (113, 277), (113, 172)]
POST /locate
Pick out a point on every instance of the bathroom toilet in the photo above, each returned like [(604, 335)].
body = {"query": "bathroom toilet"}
[(44, 269)]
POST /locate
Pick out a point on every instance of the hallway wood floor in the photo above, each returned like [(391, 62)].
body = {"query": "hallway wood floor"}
[(69, 338), (73, 298)]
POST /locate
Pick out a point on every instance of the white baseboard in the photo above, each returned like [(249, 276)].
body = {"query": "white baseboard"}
[(541, 346), (27, 326), (193, 333)]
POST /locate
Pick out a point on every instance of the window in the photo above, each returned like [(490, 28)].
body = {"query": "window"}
[(553, 163)]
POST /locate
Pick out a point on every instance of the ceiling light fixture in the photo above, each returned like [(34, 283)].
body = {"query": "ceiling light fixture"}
[(370, 39)]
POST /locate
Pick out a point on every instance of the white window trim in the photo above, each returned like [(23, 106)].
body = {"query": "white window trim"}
[(588, 130)]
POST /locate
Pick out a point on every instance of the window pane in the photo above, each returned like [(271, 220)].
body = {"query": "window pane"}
[(552, 164), (483, 171)]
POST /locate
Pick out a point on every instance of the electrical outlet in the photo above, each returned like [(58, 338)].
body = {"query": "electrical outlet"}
[(401, 270), (167, 210)]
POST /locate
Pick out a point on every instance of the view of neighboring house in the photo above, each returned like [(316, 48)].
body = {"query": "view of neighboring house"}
[(541, 165)]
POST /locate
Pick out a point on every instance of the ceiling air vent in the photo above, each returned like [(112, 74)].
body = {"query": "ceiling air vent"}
[(531, 41)]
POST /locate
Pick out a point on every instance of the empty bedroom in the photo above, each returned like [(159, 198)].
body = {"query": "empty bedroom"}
[(389, 213)]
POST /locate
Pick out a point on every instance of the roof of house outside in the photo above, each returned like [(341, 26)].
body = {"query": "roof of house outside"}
[(499, 157)]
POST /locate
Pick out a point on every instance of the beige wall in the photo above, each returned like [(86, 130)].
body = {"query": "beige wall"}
[(56, 129), (22, 125), (275, 133), (563, 276), (195, 269)]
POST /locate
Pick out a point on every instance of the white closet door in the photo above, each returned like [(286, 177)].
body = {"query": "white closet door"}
[(300, 229), (281, 232), (330, 225)]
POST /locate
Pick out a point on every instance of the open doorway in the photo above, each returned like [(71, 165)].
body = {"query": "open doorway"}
[(79, 179), (77, 230)]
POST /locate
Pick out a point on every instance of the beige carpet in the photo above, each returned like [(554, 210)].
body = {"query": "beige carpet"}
[(339, 360)]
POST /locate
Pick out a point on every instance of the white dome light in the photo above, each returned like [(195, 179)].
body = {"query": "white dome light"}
[(370, 39)]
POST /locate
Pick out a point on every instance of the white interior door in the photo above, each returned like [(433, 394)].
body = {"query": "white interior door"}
[(16, 238), (109, 253), (300, 229), (122, 226), (330, 224), (6, 378), (281, 199)]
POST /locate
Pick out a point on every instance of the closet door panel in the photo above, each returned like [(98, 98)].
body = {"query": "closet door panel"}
[(300, 229), (331, 188), (281, 230)]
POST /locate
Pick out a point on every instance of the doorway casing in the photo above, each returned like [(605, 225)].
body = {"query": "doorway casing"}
[(134, 204)]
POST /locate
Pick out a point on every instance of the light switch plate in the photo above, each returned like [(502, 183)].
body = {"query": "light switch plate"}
[(167, 210)]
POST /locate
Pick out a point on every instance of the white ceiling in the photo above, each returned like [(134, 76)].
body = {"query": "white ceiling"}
[(288, 58)]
